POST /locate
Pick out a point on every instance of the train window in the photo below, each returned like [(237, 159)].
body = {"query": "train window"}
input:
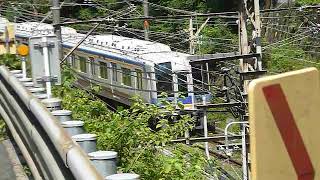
[(83, 64), (114, 71), (139, 78), (92, 66), (164, 77), (103, 70), (126, 76)]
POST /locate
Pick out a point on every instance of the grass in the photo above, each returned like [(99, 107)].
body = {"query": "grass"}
[(3, 131)]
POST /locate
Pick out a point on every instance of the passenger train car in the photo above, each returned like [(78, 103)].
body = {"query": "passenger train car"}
[(122, 66)]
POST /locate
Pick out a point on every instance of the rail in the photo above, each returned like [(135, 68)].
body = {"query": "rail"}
[(50, 153)]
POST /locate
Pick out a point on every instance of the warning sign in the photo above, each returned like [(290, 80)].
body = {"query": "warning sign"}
[(284, 126)]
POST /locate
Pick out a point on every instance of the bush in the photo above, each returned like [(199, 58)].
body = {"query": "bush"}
[(141, 149)]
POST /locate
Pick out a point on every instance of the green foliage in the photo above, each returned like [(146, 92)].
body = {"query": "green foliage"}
[(213, 39), (140, 134), (85, 14), (308, 2), (288, 58), (11, 61), (3, 132)]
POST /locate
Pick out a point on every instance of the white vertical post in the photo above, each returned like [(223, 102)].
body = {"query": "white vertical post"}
[(190, 88), (244, 153), (205, 127), (208, 76), (153, 84), (46, 66), (175, 87), (24, 67)]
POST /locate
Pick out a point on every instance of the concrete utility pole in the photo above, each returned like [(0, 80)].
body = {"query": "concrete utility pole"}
[(146, 23), (57, 28), (191, 36), (258, 33)]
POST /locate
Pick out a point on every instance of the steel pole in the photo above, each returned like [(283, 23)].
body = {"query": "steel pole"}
[(56, 24), (46, 66), (24, 67)]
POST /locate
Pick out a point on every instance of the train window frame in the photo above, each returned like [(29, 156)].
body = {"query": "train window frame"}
[(103, 68), (114, 71), (83, 64), (126, 76), (139, 77)]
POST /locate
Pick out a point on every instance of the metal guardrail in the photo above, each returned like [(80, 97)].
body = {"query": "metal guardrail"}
[(50, 153)]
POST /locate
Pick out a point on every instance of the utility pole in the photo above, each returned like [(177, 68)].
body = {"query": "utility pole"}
[(258, 34), (244, 48), (7, 39), (191, 37), (56, 24), (244, 67), (146, 23)]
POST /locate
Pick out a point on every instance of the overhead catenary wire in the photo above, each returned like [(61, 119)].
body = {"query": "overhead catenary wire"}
[(284, 40)]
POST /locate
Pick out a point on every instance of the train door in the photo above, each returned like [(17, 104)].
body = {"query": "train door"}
[(164, 81), (163, 72)]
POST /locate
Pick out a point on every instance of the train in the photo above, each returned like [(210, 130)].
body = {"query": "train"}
[(123, 66)]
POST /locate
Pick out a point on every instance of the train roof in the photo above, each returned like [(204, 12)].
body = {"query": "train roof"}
[(124, 43), (37, 28), (135, 50)]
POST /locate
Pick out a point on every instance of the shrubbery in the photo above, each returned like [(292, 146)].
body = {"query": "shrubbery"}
[(144, 150)]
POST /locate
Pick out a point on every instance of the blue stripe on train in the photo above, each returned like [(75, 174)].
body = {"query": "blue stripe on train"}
[(186, 100)]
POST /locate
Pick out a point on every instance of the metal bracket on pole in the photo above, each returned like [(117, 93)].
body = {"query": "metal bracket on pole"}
[(44, 44), (47, 79)]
